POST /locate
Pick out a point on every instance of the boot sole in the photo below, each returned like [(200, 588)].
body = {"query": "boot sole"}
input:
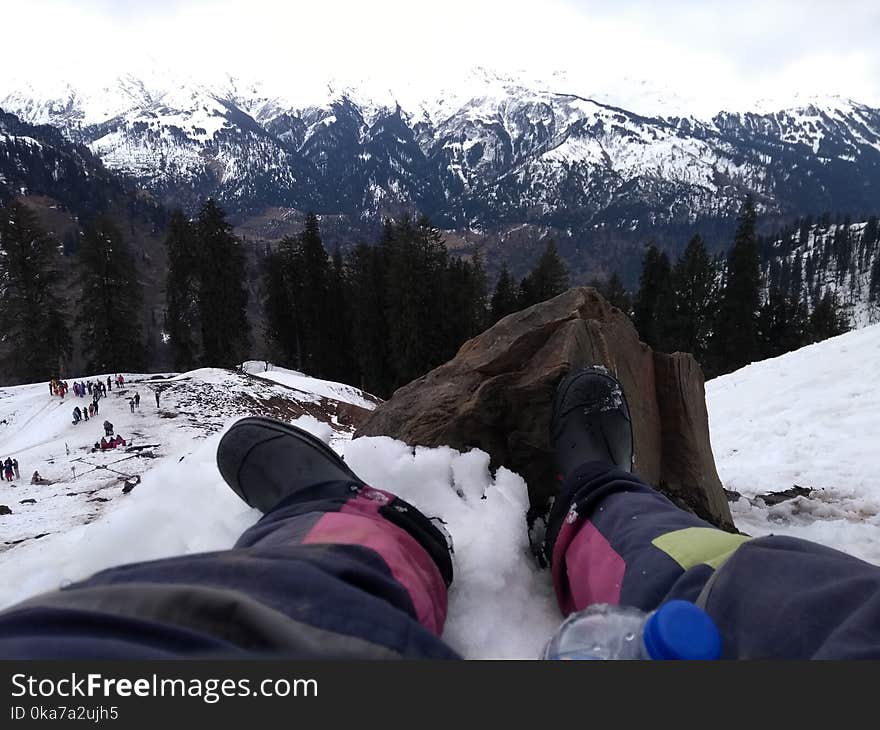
[(566, 383), (282, 429)]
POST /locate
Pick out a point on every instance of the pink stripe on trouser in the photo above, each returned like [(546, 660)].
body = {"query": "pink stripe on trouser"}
[(359, 523), (586, 569)]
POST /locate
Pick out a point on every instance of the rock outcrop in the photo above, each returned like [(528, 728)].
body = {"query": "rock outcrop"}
[(495, 395)]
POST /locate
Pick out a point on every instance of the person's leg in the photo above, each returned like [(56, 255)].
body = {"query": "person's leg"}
[(333, 569), (613, 539)]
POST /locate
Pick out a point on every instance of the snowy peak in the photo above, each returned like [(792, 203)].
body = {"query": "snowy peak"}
[(490, 149)]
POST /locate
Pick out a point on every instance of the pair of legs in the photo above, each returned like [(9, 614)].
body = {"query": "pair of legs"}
[(338, 569)]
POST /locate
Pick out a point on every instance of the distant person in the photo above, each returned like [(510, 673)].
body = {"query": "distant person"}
[(15, 468), (109, 383), (108, 428), (37, 479), (8, 472), (77, 415), (157, 398), (137, 399), (131, 404), (104, 444)]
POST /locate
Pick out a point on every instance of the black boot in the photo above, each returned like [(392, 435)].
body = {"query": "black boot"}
[(264, 461), (590, 421)]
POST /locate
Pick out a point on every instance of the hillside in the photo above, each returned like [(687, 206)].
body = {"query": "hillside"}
[(810, 418)]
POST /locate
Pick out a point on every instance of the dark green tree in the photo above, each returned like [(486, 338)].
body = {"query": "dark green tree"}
[(341, 365), (548, 279), (281, 331), (782, 324), (735, 341), (367, 280), (222, 290), (826, 319), (694, 296), (653, 308), (181, 291), (110, 303), (415, 279), (309, 274), (35, 342), (505, 297)]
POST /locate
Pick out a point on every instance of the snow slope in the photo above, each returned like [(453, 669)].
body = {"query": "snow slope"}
[(807, 418)]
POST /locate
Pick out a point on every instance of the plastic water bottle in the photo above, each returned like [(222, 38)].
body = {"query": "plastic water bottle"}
[(676, 630)]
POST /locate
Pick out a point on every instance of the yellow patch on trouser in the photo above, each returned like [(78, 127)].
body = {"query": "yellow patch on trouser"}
[(699, 545)]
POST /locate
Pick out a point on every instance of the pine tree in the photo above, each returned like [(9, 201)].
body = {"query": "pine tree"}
[(222, 294), (735, 340), (505, 297), (782, 324), (653, 309), (874, 287), (417, 262), (617, 295), (110, 304), (181, 291), (367, 280), (311, 289), (280, 316), (826, 320), (35, 338), (341, 365), (548, 279), (694, 295)]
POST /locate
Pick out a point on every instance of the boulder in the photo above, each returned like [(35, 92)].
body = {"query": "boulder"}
[(495, 395)]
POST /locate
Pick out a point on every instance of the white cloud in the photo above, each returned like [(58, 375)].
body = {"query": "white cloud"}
[(708, 50)]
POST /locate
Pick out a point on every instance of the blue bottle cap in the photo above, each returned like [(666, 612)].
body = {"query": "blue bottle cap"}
[(681, 630)]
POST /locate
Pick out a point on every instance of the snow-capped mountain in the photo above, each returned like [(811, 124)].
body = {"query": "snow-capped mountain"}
[(488, 151)]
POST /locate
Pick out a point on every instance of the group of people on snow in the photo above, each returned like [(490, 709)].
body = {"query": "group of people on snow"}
[(10, 469), (58, 387), (109, 443), (135, 401), (82, 388)]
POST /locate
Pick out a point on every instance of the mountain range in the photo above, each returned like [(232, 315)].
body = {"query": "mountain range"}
[(497, 152)]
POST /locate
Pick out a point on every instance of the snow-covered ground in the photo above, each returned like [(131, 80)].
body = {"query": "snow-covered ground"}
[(809, 418)]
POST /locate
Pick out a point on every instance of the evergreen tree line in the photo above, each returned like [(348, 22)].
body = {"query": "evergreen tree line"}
[(206, 319), (205, 324), (38, 330), (547, 279), (731, 311), (387, 313)]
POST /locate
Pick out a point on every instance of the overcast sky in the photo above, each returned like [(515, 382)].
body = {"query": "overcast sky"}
[(741, 49)]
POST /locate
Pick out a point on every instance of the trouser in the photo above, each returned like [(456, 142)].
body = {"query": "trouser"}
[(323, 575), (771, 597), (326, 575)]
